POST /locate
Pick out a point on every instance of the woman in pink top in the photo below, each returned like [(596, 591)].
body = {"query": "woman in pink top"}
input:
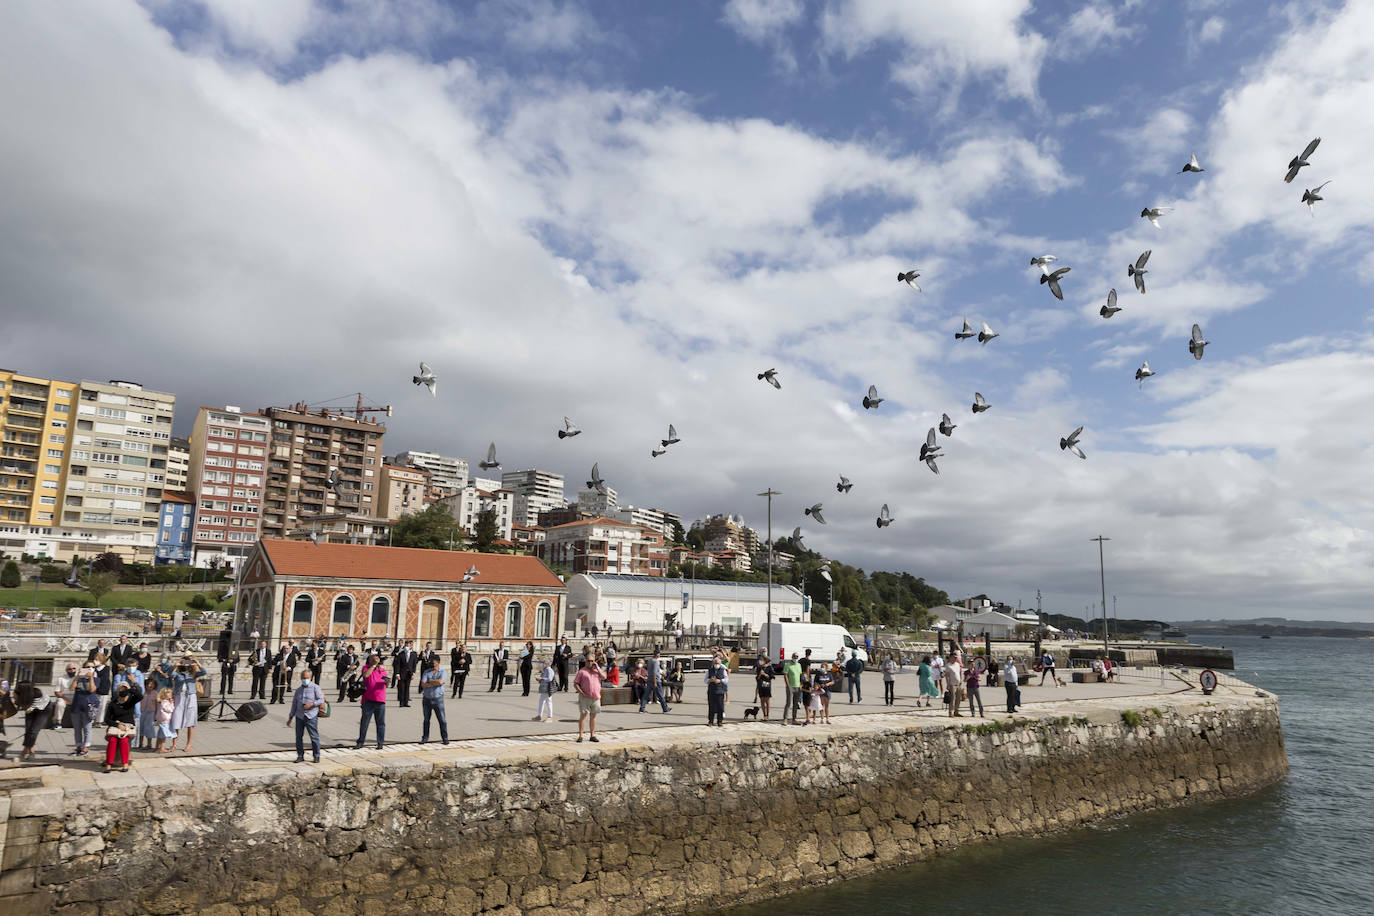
[(374, 699), (588, 687)]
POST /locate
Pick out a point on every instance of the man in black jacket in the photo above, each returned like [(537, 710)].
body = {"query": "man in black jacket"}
[(499, 657), (261, 662), (282, 663), (122, 653), (227, 669), (460, 663), (405, 672), (314, 659), (343, 660), (562, 655)]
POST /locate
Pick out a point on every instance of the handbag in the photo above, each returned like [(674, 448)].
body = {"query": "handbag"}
[(325, 709), (119, 730), (200, 688), (947, 697)]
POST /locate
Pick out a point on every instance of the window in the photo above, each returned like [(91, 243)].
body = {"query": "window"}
[(481, 618), (543, 620), (54, 453), (302, 609), (343, 609), (381, 610), (514, 622)]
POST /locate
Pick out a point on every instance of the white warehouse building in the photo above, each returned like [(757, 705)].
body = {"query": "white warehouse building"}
[(642, 603)]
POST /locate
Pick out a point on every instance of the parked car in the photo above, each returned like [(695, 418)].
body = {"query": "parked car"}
[(138, 613)]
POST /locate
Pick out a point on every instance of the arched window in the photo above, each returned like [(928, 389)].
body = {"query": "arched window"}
[(303, 609), (381, 610), (515, 623), (343, 610), (543, 620), (481, 618)]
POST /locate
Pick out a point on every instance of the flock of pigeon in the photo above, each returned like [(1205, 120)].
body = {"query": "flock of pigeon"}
[(930, 448)]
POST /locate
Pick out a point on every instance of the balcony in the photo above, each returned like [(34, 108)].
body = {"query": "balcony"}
[(33, 408)]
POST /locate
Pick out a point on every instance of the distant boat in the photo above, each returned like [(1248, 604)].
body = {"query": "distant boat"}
[(1266, 636)]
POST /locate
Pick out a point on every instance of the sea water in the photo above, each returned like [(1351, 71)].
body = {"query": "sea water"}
[(1304, 846)]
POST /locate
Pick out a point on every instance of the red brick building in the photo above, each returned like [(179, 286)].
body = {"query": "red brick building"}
[(299, 590)]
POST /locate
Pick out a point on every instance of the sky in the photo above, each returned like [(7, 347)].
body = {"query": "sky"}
[(622, 212)]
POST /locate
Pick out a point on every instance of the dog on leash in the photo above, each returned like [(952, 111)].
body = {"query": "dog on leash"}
[(752, 712)]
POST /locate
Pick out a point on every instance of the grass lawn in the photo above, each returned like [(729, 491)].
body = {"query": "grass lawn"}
[(132, 596)]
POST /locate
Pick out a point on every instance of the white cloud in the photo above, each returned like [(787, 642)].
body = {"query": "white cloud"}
[(1091, 28), (760, 20), (1211, 30)]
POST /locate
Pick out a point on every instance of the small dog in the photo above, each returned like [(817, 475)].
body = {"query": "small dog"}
[(752, 712)]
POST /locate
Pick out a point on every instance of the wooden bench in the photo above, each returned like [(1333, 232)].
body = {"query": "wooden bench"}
[(1087, 676), (615, 696)]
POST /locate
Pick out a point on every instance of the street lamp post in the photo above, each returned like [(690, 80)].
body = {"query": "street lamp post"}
[(1102, 575), (769, 494)]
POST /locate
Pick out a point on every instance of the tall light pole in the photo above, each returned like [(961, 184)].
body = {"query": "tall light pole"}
[(825, 574), (1102, 574), (769, 494)]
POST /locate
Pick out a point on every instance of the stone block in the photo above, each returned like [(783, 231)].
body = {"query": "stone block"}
[(38, 802)]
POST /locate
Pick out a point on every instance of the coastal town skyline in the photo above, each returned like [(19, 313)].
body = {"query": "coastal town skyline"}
[(300, 201)]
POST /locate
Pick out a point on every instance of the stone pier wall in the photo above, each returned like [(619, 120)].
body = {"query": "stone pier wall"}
[(664, 820)]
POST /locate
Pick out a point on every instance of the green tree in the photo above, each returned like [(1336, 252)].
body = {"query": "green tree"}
[(487, 532), (679, 536), (99, 584), (433, 528), (10, 576), (107, 563), (695, 539)]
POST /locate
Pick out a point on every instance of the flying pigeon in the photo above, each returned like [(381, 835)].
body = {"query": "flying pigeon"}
[(1191, 165), (946, 425), (491, 461), (1043, 260), (568, 429), (672, 437), (986, 334), (980, 405), (1196, 343), (1111, 308), (1297, 162), (426, 378), (471, 574), (884, 517), (966, 333), (1137, 270), (771, 377), (1154, 213), (871, 400), (1071, 443), (315, 538), (658, 451), (334, 483), (1053, 281), (1312, 195), (909, 278), (844, 486), (596, 483), (1143, 373), (797, 538), (930, 448), (815, 512)]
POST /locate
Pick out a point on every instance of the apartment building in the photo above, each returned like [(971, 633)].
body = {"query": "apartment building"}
[(402, 491), (178, 464), (227, 471), (657, 519), (34, 417), (174, 529), (343, 528), (305, 447), (597, 503), (116, 468), (605, 545), (479, 495), (534, 492), (446, 474)]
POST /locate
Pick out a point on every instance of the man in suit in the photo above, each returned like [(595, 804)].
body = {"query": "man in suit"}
[(343, 660), (315, 659), (404, 673), (227, 669), (262, 662), (122, 653), (427, 656), (99, 649), (562, 655), (281, 673), (499, 657), (460, 660)]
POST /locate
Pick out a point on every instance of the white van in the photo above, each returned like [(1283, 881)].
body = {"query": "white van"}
[(780, 640)]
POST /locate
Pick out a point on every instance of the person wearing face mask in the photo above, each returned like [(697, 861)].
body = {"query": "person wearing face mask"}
[(143, 659), (306, 703), (62, 695)]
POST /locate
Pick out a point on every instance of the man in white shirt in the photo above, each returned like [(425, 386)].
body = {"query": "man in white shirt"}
[(63, 695), (954, 682), (1010, 679)]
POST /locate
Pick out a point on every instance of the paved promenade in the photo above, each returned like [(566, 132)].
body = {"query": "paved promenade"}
[(490, 719)]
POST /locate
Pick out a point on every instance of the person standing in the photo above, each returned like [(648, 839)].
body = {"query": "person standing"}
[(261, 662), (1047, 668), (123, 709), (405, 673), (306, 704), (62, 695), (186, 709), (85, 706), (432, 698), (653, 685), (548, 683), (717, 686), (806, 662), (763, 684), (587, 685), (146, 733), (791, 677), (500, 656), (425, 655), (144, 658), (1010, 677), (38, 709), (374, 700), (971, 689), (344, 662), (122, 653), (854, 668), (461, 661), (280, 675), (925, 678), (562, 655), (227, 669), (526, 667), (821, 684), (889, 680), (314, 660), (954, 683)]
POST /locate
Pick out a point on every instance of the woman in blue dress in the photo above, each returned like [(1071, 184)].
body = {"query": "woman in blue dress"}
[(928, 688), (185, 710)]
